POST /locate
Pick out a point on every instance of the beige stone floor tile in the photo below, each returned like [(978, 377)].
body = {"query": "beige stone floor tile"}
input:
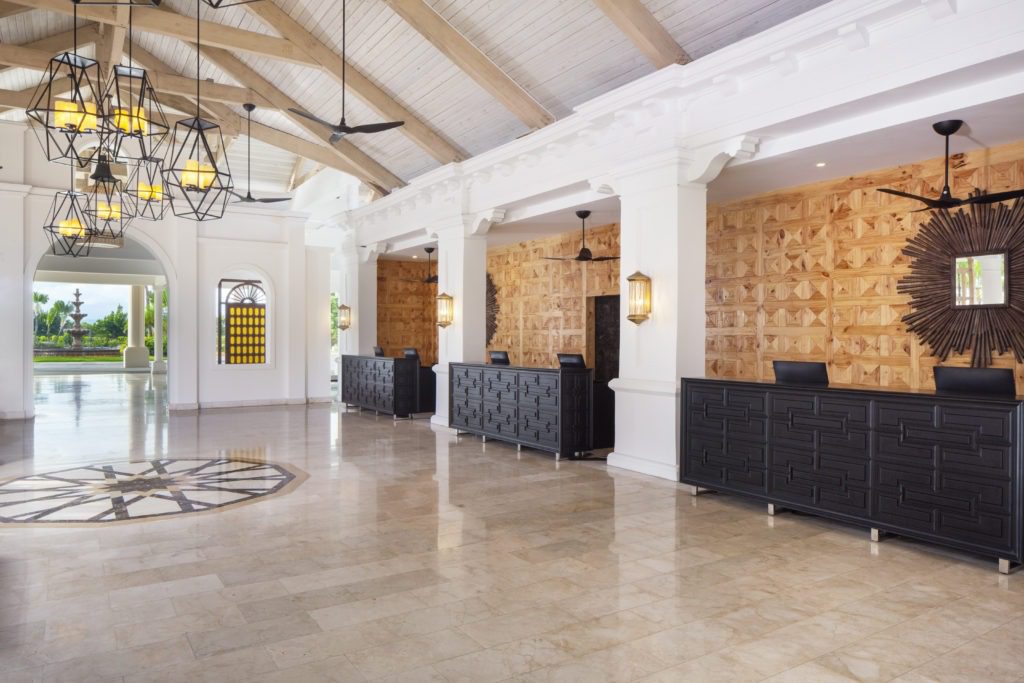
[(613, 665), (517, 625), (316, 647), (117, 664), (159, 630), (402, 655), (224, 639), (690, 641), (333, 670), (126, 597), (811, 671), (246, 664), (347, 614), (709, 668)]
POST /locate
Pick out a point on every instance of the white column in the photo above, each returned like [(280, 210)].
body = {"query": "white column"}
[(159, 365), (16, 334), (136, 355), (462, 274), (663, 236), (357, 289), (318, 325)]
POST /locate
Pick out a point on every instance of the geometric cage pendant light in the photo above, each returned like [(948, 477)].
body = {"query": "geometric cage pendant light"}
[(197, 177), (63, 111), (133, 118), (69, 226), (144, 193)]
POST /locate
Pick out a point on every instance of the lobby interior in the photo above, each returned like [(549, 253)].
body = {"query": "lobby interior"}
[(661, 340)]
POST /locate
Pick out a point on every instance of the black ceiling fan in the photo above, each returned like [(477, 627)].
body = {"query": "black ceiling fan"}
[(247, 198), (340, 130), (430, 279), (946, 200), (585, 254)]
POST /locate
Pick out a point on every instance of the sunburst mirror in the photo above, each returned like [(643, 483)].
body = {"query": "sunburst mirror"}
[(966, 283), (492, 309)]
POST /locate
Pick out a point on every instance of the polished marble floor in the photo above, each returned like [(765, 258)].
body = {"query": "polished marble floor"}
[(411, 555)]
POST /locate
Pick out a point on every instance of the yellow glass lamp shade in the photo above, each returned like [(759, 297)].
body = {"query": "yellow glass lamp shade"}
[(151, 193), (131, 120), (108, 211), (344, 317), (639, 297), (71, 227), (197, 176), (445, 310), (69, 116)]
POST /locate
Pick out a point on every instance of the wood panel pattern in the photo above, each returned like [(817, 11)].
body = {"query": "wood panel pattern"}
[(406, 309), (810, 273), (543, 304)]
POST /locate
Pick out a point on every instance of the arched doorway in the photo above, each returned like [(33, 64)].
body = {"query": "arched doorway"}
[(103, 357)]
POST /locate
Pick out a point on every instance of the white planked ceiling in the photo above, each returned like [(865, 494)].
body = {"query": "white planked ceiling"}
[(563, 52)]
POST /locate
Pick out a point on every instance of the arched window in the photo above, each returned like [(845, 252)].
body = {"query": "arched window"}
[(242, 323)]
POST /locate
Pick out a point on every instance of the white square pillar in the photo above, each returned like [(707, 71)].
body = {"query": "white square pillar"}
[(462, 274), (136, 355), (664, 228), (16, 335), (159, 365)]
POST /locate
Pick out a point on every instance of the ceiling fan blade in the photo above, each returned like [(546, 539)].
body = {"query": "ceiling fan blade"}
[(604, 258), (994, 197), (559, 258), (273, 200), (930, 203), (240, 196), (374, 127), (311, 117)]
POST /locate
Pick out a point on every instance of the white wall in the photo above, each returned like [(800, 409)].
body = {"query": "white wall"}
[(194, 257)]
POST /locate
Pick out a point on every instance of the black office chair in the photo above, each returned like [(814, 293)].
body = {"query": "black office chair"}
[(499, 357), (378, 352), (571, 360)]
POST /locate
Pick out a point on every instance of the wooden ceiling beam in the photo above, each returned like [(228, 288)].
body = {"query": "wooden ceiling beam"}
[(167, 23), (29, 58), (110, 45), (10, 9), (646, 32), (234, 124), (472, 61), (361, 164), (357, 82), (60, 42)]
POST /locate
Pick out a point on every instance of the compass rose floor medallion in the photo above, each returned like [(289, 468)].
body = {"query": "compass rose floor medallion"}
[(148, 489)]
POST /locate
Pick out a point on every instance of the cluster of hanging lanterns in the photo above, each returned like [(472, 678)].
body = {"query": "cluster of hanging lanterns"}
[(118, 135)]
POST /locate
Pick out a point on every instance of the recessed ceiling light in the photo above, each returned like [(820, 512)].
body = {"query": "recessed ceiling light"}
[(820, 164)]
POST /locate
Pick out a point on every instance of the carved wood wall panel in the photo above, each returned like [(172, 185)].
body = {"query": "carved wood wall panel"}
[(810, 273), (406, 311), (543, 304)]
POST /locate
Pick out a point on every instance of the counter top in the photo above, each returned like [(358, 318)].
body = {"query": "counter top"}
[(854, 388)]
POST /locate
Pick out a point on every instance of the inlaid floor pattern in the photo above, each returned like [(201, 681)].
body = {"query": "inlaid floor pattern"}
[(410, 555)]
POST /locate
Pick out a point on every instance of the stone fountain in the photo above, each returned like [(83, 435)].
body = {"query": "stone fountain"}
[(77, 332)]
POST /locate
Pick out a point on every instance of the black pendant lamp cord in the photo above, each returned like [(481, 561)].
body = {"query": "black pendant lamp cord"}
[(248, 154), (344, 54), (197, 59)]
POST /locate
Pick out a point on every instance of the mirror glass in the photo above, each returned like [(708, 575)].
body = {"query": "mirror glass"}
[(980, 280)]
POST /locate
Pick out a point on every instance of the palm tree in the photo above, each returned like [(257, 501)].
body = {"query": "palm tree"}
[(38, 299)]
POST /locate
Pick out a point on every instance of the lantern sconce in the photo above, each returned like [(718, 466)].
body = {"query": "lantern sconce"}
[(445, 310), (344, 317), (639, 297)]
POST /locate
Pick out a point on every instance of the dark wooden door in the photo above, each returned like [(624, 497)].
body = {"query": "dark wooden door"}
[(606, 368)]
